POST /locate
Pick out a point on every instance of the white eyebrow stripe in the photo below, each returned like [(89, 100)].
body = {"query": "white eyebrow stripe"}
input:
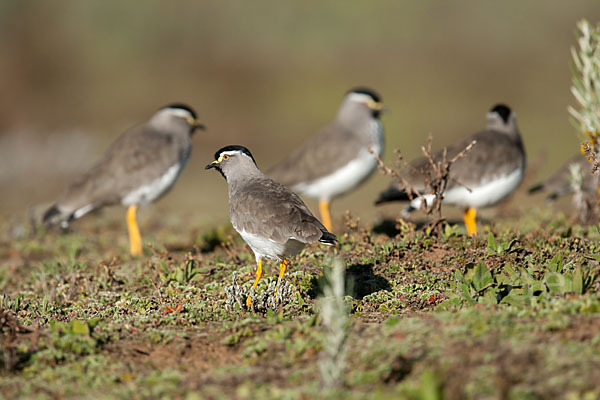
[(360, 97), (231, 152), (178, 112)]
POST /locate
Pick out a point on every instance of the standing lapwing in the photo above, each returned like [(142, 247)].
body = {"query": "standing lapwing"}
[(338, 158), (138, 168), (489, 172), (272, 219), (576, 174)]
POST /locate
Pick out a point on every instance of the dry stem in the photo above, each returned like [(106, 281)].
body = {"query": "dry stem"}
[(437, 176)]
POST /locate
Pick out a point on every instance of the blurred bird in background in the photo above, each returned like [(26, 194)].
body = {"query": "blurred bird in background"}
[(489, 172), (574, 175), (337, 158), (138, 168)]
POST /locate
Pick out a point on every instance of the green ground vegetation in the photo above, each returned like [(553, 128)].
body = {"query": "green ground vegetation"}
[(511, 314)]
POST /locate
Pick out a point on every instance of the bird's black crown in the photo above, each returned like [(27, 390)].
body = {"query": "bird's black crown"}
[(234, 147), (365, 90), (182, 106), (502, 110)]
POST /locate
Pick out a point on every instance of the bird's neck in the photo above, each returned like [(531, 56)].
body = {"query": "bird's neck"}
[(509, 129), (243, 177)]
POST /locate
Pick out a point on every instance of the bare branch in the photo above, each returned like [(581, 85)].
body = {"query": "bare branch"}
[(463, 152), (436, 176), (410, 190)]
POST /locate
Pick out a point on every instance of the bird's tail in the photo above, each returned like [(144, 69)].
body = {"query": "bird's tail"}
[(328, 238), (392, 194), (55, 215), (551, 196), (535, 188)]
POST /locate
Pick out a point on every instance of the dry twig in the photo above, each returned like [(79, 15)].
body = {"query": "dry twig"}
[(436, 177)]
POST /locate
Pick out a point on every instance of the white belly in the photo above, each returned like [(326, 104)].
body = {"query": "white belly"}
[(342, 180), (148, 193), (482, 196), (351, 174), (267, 248)]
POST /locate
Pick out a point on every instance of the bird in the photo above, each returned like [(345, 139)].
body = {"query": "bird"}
[(138, 168), (488, 173), (576, 174), (271, 218), (338, 157)]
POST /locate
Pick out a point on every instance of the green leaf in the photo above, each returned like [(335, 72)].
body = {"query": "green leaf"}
[(595, 257), (556, 264), (578, 281), (80, 327), (515, 297), (555, 282), (93, 322), (489, 296), (459, 276), (507, 247), (503, 279), (466, 295), (492, 244), (536, 287), (482, 277), (430, 386), (512, 273)]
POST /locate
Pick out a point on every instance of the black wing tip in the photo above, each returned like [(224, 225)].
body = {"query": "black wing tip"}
[(392, 194), (552, 196), (535, 188), (328, 238), (50, 213)]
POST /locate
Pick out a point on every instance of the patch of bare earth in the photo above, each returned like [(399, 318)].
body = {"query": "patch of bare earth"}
[(200, 351)]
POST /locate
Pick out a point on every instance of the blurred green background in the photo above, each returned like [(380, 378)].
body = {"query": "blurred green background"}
[(267, 74)]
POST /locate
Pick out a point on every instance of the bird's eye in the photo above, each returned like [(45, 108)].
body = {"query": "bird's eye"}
[(225, 157)]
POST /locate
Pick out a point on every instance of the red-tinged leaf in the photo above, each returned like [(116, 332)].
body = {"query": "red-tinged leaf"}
[(168, 310)]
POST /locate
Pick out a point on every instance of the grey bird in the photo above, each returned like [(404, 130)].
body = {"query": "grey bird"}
[(575, 174), (271, 219), (138, 168), (338, 158), (489, 172)]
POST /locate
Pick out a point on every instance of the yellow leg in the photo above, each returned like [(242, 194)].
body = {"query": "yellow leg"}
[(135, 239), (282, 268), (325, 215), (470, 218), (258, 275)]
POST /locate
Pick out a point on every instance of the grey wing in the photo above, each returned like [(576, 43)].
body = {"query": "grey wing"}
[(271, 210), (559, 183), (491, 155), (319, 156), (139, 156)]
